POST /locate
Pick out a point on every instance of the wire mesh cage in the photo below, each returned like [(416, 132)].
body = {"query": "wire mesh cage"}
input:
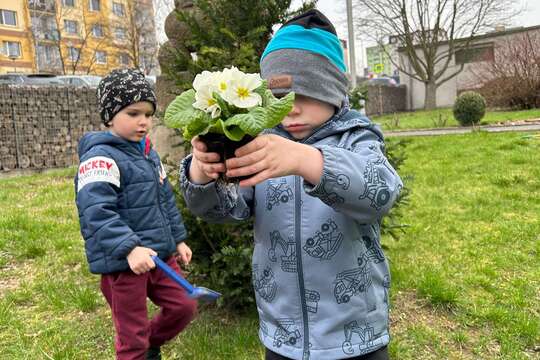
[(40, 126)]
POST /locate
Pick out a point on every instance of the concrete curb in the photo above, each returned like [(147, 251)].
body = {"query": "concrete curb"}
[(462, 130)]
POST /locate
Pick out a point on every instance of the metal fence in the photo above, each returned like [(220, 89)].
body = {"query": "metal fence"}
[(40, 126)]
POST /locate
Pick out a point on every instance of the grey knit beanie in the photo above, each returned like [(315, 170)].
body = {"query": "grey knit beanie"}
[(305, 56)]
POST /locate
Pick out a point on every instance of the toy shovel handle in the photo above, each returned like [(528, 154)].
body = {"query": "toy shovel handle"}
[(173, 274)]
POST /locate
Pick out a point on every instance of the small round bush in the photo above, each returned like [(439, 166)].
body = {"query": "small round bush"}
[(470, 108)]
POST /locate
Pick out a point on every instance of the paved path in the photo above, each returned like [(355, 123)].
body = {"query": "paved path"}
[(532, 126)]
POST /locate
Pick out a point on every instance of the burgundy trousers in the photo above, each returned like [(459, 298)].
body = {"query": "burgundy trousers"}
[(126, 294)]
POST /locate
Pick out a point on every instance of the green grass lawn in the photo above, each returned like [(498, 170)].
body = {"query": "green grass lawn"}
[(422, 119), (466, 275)]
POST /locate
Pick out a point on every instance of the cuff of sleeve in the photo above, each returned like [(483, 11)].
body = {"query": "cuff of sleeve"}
[(182, 236), (329, 159), (184, 178), (123, 250)]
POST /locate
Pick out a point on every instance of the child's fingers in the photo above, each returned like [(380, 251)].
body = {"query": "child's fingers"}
[(212, 168), (208, 157), (245, 160), (247, 170), (254, 180), (251, 146), (182, 257), (196, 143)]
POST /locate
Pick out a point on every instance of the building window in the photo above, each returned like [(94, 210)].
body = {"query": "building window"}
[(123, 59), (71, 26), (97, 30), (47, 55), (118, 9), (475, 54), (12, 49), (73, 53), (101, 57), (70, 3), (120, 33), (94, 5), (8, 17)]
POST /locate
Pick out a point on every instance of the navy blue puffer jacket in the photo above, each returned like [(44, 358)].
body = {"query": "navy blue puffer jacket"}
[(124, 200)]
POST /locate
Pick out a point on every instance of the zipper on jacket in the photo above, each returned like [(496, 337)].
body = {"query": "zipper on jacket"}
[(298, 234), (157, 194)]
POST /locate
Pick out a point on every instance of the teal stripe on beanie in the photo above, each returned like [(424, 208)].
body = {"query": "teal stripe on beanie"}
[(315, 40)]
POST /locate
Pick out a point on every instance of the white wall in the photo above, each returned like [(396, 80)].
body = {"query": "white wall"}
[(447, 93)]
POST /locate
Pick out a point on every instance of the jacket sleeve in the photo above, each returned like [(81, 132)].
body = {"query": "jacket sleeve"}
[(178, 228), (215, 202), (357, 178), (97, 184)]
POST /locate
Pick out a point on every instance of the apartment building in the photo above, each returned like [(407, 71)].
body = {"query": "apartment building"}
[(78, 36)]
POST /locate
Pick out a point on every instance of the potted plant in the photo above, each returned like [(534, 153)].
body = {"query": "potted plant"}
[(226, 109)]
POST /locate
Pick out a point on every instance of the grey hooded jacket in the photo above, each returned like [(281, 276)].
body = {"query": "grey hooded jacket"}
[(321, 279)]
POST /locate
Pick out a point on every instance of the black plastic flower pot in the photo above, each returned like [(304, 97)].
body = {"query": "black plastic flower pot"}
[(225, 147)]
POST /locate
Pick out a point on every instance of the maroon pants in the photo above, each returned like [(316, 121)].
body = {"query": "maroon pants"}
[(126, 294)]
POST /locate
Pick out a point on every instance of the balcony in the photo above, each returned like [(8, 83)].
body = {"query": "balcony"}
[(48, 6)]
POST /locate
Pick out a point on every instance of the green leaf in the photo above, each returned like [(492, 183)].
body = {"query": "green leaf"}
[(261, 118), (278, 109), (223, 105), (181, 114), (196, 128)]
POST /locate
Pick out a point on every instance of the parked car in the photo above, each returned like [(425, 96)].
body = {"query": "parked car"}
[(90, 81), (382, 81), (30, 79)]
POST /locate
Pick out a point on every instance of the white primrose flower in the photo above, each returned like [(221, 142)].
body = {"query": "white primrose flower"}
[(224, 77), (240, 89), (206, 102), (204, 79)]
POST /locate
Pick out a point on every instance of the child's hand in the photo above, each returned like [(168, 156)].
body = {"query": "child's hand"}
[(270, 156), (205, 166), (139, 260), (184, 253)]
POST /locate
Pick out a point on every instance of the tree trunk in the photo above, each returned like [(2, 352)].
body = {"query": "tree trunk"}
[(430, 100)]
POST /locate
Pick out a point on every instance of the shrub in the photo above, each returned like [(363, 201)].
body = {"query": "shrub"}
[(358, 97), (470, 108)]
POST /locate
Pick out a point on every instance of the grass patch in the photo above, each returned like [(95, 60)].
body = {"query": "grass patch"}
[(427, 119), (472, 252), (465, 275)]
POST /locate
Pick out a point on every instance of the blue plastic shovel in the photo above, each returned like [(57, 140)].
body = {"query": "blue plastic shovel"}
[(194, 292)]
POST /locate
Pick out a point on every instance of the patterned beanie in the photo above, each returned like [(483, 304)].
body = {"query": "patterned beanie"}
[(305, 56), (122, 88)]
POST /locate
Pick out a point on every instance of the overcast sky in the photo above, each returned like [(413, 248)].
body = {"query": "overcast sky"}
[(335, 11)]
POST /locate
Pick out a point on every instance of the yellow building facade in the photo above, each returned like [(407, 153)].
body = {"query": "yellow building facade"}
[(16, 51), (70, 36)]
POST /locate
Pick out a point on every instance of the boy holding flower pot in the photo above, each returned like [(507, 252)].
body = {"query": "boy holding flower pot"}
[(319, 184)]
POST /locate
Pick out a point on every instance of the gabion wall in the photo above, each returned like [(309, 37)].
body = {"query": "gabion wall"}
[(40, 126)]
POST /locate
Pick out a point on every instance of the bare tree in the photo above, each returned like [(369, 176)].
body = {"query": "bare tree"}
[(430, 32), (135, 33), (73, 44)]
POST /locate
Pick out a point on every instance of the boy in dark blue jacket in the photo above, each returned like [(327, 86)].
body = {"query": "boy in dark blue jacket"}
[(127, 213)]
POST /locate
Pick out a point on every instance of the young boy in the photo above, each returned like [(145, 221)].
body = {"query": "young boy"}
[(127, 213), (320, 185)]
